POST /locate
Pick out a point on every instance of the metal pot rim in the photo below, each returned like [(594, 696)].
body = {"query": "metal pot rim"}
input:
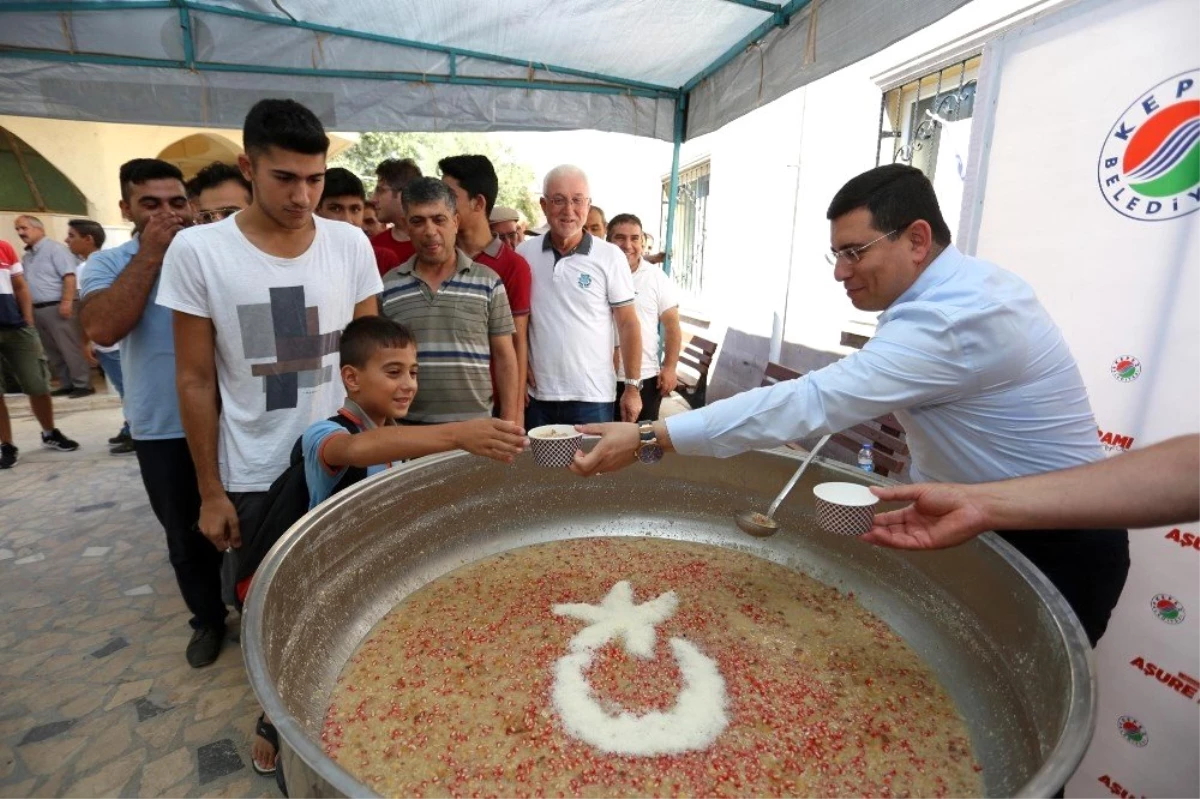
[(1058, 766)]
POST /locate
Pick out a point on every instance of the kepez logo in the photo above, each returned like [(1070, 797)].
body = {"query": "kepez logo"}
[(1149, 167), (1126, 368), (1132, 730), (1167, 608)]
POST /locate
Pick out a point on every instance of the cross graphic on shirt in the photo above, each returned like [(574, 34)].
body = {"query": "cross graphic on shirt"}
[(289, 332)]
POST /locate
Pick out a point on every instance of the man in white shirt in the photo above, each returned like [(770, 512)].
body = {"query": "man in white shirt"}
[(657, 303), (260, 299), (964, 354), (581, 288)]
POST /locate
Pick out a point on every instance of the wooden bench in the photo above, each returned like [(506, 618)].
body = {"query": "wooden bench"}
[(697, 355), (885, 433)]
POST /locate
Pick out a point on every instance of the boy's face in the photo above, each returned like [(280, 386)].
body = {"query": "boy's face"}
[(346, 208), (385, 387)]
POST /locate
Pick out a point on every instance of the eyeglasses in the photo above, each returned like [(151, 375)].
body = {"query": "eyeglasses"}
[(854, 254), (559, 202), (215, 215)]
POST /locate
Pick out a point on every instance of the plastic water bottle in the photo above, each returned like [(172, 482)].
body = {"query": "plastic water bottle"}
[(866, 458)]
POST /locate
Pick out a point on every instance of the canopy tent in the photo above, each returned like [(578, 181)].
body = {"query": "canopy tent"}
[(668, 69)]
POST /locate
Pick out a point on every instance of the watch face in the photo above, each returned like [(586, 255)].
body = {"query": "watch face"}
[(650, 453)]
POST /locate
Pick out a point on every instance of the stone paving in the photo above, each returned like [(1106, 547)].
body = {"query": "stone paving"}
[(96, 698)]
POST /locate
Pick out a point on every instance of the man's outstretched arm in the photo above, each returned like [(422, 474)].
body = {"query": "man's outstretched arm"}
[(1144, 488)]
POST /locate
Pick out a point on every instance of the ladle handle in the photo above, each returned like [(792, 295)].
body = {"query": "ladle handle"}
[(796, 477)]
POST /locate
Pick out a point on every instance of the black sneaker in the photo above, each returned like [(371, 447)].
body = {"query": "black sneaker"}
[(78, 393), (205, 646), (119, 438), (126, 446), (8, 456), (62, 392), (56, 440)]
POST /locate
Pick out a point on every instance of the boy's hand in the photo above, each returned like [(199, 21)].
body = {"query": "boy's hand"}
[(492, 438)]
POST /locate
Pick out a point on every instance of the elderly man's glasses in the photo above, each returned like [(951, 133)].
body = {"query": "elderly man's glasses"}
[(215, 214), (559, 202), (854, 254)]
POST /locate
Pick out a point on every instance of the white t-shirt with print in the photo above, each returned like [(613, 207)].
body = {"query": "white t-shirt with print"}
[(655, 295), (278, 323)]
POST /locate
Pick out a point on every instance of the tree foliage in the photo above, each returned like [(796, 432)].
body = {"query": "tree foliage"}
[(428, 148)]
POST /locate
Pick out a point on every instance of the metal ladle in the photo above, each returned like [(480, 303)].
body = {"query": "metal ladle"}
[(762, 525)]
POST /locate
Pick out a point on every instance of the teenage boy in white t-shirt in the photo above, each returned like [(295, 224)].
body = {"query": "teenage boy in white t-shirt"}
[(260, 300), (657, 301)]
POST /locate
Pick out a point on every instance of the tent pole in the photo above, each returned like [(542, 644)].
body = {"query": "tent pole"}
[(673, 192)]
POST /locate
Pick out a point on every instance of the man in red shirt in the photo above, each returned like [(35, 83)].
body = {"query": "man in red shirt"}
[(394, 174), (473, 180), (344, 200), (21, 349)]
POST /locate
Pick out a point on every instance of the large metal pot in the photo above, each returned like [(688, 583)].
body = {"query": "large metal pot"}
[(996, 633)]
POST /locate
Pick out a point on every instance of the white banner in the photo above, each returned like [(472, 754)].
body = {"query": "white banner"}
[(1088, 185)]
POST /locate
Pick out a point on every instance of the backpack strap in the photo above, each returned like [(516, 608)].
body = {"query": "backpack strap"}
[(353, 474)]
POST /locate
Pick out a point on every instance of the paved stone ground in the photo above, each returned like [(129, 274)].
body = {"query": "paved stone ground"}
[(96, 698)]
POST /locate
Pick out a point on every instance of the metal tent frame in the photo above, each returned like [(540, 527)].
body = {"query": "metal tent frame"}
[(755, 42)]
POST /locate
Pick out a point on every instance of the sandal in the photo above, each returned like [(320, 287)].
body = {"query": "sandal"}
[(265, 730)]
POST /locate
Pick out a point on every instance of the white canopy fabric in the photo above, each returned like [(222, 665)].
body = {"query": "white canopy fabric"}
[(667, 69)]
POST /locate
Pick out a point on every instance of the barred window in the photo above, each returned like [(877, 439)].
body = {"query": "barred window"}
[(912, 114), (687, 249)]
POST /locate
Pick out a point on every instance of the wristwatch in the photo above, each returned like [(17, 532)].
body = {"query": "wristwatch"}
[(648, 450), (629, 381)]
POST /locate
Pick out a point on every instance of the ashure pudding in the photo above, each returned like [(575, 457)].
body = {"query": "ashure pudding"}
[(641, 667)]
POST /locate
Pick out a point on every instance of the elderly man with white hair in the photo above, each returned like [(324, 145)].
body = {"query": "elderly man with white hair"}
[(50, 272), (582, 289)]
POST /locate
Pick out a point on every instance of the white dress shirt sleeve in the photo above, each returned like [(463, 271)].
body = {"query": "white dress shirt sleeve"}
[(914, 359)]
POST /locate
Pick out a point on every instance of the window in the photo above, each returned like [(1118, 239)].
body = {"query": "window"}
[(687, 249), (913, 115)]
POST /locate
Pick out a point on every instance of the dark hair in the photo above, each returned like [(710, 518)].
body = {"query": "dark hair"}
[(423, 191), (623, 219), (600, 211), (396, 173), (140, 170), (285, 124), (86, 227), (214, 175), (363, 337), (896, 195), (476, 175), (341, 182)]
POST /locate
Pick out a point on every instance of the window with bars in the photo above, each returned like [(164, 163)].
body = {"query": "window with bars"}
[(913, 114), (687, 248)]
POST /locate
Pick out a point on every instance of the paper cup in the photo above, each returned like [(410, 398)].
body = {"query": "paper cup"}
[(845, 508), (554, 445)]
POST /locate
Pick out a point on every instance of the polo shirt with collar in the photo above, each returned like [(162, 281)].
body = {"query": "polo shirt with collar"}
[(571, 335), (46, 264), (453, 327), (512, 269)]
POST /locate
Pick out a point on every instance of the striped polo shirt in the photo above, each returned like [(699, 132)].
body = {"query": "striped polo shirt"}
[(453, 327)]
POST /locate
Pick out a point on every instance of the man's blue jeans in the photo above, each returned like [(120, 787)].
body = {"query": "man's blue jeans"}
[(541, 412)]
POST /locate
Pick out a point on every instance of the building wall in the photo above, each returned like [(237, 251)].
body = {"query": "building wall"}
[(90, 154), (828, 131)]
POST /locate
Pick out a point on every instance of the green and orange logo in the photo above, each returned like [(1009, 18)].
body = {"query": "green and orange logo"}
[(1149, 166), (1167, 608), (1126, 369), (1132, 730)]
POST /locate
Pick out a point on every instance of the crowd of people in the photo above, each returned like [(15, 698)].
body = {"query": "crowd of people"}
[(268, 321), (270, 307)]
